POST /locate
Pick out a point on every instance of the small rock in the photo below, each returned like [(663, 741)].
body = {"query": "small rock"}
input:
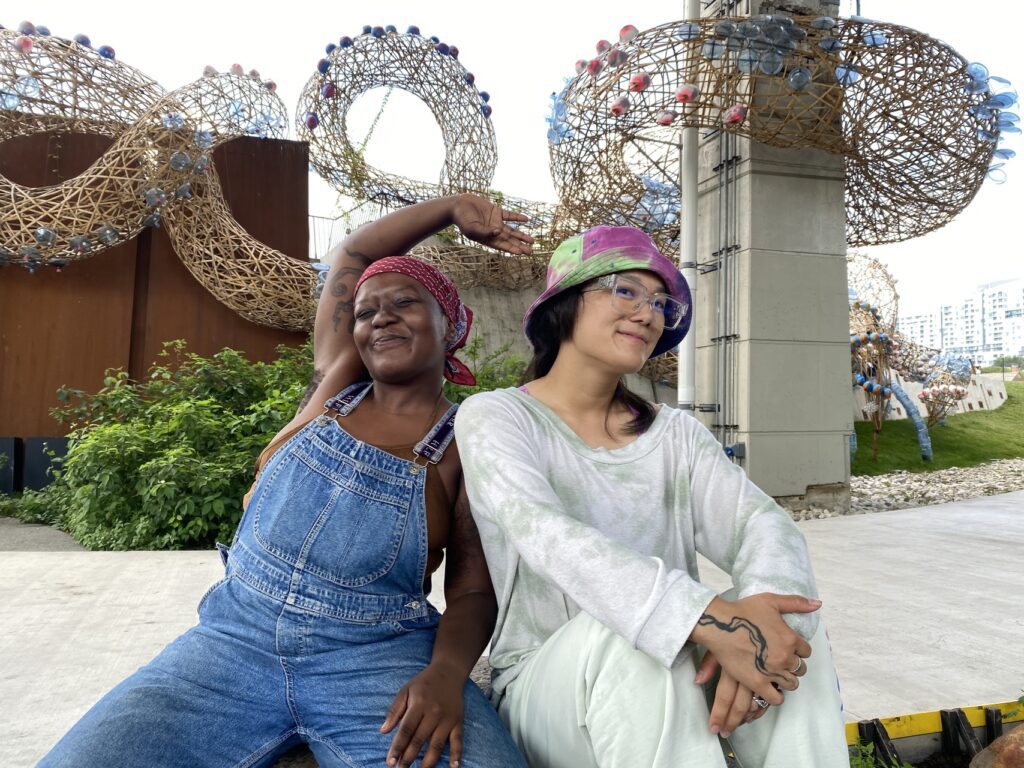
[(1005, 752)]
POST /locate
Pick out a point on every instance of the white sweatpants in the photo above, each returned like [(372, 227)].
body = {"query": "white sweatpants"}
[(586, 699)]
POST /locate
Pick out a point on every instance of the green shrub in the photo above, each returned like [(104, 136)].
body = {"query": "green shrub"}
[(493, 370), (163, 463)]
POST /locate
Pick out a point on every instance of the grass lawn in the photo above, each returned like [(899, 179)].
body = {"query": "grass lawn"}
[(967, 439)]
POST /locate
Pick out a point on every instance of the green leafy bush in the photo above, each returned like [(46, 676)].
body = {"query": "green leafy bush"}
[(493, 370), (163, 463)]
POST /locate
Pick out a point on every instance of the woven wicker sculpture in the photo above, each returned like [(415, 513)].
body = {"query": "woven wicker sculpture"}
[(878, 350), (917, 125), (156, 173), (421, 66)]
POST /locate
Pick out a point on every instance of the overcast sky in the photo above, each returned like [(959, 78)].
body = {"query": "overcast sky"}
[(520, 53)]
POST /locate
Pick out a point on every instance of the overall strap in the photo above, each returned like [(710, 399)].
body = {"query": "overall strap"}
[(437, 440), (348, 398)]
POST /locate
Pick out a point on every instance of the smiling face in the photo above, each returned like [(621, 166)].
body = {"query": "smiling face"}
[(399, 328), (621, 341)]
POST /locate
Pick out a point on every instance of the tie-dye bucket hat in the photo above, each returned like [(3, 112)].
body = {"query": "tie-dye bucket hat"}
[(603, 251)]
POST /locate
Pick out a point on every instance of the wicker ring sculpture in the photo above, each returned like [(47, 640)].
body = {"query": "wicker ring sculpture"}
[(919, 127), (157, 172), (423, 66)]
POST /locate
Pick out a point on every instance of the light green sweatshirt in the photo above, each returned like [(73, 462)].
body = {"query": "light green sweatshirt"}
[(615, 533)]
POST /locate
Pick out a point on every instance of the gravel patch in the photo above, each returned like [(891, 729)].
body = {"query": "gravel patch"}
[(902, 490)]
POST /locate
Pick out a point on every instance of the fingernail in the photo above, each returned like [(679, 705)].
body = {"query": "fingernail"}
[(814, 601), (715, 729), (726, 734)]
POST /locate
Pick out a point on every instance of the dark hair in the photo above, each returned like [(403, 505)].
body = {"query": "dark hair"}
[(552, 323)]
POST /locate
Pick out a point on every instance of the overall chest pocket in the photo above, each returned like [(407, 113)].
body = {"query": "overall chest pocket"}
[(331, 515)]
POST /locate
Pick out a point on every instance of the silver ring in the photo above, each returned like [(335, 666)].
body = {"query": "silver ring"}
[(761, 701), (799, 666)]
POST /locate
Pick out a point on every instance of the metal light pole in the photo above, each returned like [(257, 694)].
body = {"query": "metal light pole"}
[(686, 390)]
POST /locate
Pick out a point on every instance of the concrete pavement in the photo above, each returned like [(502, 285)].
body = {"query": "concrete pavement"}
[(924, 609)]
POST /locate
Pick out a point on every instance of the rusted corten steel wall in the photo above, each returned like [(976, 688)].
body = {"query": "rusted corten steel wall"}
[(115, 310)]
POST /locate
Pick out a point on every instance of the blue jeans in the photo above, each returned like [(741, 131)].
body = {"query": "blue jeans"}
[(319, 622)]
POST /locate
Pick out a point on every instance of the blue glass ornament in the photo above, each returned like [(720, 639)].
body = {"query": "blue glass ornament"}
[(748, 29), (785, 47), (391, 29), (106, 52), (713, 49), (345, 42), (771, 63), (329, 48), (746, 62), (442, 48), (179, 161), (155, 197), (976, 86), (725, 28), (184, 192), (26, 28), (824, 23), (27, 85), (9, 100), (43, 31), (688, 31), (875, 38), (435, 39), (203, 139), (798, 78), (45, 236), (1004, 154), (83, 40), (80, 244), (485, 96), (469, 77), (977, 71), (486, 110), (847, 74), (201, 164), (107, 235), (153, 220), (173, 121), (412, 30), (322, 66), (377, 31), (453, 51), (830, 44), (367, 29)]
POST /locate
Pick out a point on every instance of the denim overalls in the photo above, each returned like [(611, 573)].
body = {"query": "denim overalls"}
[(320, 620)]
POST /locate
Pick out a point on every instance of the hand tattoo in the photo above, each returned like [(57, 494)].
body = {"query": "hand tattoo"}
[(757, 638)]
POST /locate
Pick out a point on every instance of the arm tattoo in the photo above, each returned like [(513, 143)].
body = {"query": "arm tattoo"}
[(465, 552), (314, 382), (753, 631), (342, 291)]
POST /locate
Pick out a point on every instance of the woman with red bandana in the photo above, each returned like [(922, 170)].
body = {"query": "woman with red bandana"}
[(321, 630)]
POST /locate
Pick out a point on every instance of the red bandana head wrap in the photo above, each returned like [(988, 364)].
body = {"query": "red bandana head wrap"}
[(442, 289)]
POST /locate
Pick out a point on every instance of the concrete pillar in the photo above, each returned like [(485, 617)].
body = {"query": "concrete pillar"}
[(773, 359)]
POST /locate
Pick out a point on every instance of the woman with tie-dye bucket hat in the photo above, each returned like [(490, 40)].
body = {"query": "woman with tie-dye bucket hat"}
[(592, 505)]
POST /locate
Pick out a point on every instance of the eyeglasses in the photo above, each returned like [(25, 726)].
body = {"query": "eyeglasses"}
[(629, 295)]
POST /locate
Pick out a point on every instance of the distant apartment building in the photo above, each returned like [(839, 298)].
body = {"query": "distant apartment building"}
[(986, 325)]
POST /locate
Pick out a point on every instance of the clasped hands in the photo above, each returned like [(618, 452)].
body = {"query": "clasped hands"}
[(759, 655)]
